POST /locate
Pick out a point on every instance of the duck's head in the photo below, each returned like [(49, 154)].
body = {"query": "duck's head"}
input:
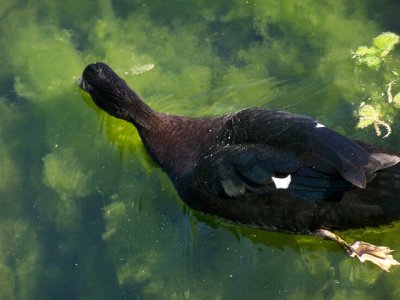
[(107, 89)]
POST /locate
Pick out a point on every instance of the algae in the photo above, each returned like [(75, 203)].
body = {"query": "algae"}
[(90, 223)]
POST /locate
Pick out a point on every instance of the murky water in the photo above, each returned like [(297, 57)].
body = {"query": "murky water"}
[(86, 215)]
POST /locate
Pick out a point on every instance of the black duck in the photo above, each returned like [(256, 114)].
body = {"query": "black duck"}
[(265, 168)]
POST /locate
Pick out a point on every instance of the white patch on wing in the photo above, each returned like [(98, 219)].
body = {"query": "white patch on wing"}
[(282, 183), (319, 125)]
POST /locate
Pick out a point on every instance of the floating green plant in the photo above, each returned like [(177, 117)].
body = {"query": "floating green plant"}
[(370, 115), (381, 87), (375, 55)]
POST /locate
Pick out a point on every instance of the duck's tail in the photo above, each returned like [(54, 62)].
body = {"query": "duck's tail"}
[(377, 204)]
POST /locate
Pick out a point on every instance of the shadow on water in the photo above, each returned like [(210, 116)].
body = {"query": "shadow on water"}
[(270, 239)]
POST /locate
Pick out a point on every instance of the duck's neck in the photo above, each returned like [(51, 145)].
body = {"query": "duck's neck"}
[(138, 113), (177, 143)]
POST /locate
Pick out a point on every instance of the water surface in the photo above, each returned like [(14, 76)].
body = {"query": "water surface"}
[(86, 215)]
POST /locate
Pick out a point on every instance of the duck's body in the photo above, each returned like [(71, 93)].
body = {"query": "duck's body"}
[(286, 174), (264, 168)]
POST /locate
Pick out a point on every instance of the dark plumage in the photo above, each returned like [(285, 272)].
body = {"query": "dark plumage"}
[(271, 169)]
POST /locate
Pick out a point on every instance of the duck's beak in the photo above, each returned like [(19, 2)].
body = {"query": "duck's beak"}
[(83, 84)]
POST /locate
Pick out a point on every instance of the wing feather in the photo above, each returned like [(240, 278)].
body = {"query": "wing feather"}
[(265, 145)]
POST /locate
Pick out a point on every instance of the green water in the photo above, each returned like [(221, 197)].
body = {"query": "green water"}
[(84, 213)]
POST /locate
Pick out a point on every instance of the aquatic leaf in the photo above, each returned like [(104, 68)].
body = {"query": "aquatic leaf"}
[(396, 100), (374, 55), (385, 42), (367, 115)]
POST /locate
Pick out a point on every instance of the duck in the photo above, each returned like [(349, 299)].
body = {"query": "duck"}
[(263, 168)]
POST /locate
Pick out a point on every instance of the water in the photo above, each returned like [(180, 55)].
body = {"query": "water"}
[(86, 215)]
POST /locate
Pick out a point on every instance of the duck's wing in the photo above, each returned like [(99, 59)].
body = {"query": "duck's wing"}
[(238, 169), (315, 145), (272, 150)]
